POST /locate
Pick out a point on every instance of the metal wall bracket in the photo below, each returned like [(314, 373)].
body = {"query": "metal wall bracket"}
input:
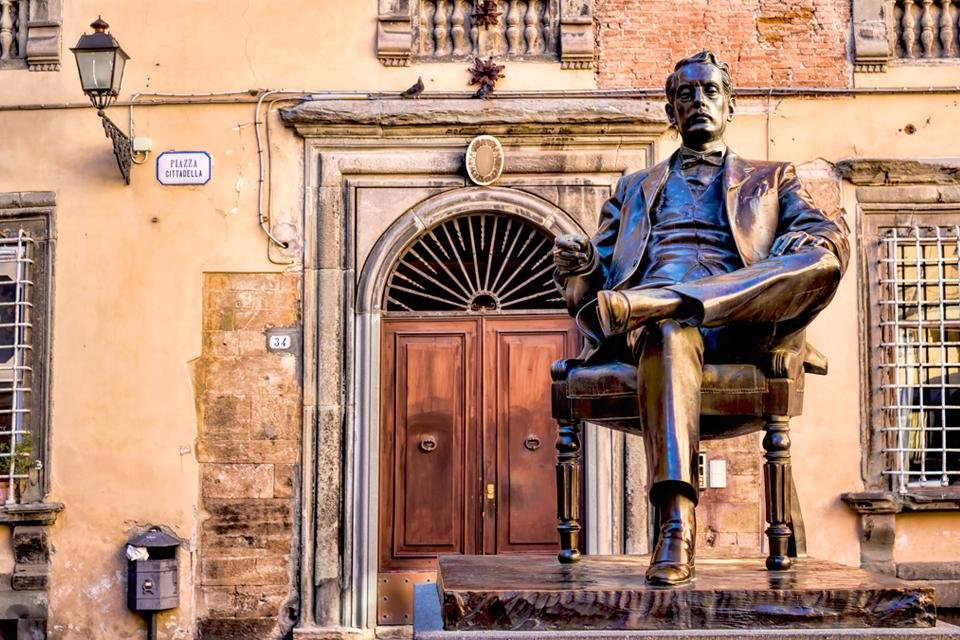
[(122, 148)]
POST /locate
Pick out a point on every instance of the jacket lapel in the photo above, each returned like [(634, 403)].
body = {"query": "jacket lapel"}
[(654, 182), (735, 173), (636, 221)]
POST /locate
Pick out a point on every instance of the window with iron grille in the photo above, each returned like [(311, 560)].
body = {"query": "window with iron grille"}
[(917, 367), (24, 313)]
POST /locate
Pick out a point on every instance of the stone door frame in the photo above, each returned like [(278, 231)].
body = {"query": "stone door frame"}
[(555, 149)]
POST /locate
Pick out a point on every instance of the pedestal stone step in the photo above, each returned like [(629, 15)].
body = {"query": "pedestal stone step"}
[(609, 593), (428, 625)]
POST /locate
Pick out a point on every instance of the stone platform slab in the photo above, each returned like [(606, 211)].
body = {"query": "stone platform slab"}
[(609, 593), (428, 625)]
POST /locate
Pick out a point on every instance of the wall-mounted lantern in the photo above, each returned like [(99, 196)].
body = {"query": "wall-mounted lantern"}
[(101, 61)]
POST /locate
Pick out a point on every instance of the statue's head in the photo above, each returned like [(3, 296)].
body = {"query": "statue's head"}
[(699, 100)]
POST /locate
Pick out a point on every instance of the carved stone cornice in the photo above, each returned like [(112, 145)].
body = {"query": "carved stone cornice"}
[(462, 116), (44, 35), (872, 30), (31, 513), (27, 199), (881, 172), (576, 34), (887, 502), (394, 33), (871, 502)]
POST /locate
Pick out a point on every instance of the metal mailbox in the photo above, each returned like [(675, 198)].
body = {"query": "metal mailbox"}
[(153, 583)]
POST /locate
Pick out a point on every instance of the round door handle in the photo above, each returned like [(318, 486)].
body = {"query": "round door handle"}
[(428, 444), (532, 443)]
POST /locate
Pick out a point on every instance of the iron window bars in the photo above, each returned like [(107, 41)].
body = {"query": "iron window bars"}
[(919, 365)]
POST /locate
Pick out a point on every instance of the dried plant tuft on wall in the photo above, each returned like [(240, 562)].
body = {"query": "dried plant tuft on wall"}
[(485, 73), (486, 13)]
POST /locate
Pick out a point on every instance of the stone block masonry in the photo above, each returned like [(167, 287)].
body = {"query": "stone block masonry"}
[(730, 520), (248, 402), (766, 42)]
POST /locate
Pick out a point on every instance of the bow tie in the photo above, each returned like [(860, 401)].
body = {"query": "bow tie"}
[(690, 159)]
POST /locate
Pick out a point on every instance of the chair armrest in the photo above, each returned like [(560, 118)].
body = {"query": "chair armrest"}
[(787, 363), (814, 361), (560, 369), (782, 363)]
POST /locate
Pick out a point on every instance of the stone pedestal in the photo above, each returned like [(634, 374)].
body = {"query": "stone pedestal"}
[(537, 594)]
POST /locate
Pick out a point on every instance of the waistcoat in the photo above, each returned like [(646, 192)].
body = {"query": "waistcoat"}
[(690, 236)]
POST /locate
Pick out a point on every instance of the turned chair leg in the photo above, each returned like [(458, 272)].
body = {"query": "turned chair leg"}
[(777, 483), (568, 490)]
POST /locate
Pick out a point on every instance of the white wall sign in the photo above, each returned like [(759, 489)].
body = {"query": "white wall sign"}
[(184, 167), (283, 340)]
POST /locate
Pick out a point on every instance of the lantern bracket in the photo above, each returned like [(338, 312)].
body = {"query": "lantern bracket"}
[(122, 148)]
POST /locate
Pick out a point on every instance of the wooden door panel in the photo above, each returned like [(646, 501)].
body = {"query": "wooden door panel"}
[(517, 358), (427, 453), (430, 434)]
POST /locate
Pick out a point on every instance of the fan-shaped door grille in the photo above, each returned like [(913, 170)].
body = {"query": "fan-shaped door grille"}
[(477, 263)]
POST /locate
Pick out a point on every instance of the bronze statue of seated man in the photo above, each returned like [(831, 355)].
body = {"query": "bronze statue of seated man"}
[(704, 257)]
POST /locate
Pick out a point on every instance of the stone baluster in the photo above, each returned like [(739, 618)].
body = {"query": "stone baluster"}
[(427, 9), (498, 40), (948, 32), (926, 33), (441, 31), (531, 30), (474, 33), (546, 26), (6, 29), (457, 31), (909, 30), (890, 20), (513, 27)]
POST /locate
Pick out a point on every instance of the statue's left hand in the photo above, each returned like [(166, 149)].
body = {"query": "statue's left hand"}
[(794, 241)]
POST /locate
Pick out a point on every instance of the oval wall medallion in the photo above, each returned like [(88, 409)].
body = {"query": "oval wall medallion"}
[(484, 160)]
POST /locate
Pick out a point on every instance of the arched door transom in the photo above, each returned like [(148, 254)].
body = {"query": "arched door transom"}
[(475, 263)]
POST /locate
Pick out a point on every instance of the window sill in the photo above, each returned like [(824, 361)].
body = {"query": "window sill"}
[(888, 502), (31, 513)]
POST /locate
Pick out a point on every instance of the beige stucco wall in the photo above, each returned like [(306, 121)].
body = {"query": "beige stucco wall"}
[(127, 325), (129, 263), (129, 259), (227, 45)]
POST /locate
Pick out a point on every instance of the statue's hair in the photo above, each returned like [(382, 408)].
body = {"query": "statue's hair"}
[(703, 57)]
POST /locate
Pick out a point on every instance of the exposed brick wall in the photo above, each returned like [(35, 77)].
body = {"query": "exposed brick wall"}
[(766, 42), (249, 408)]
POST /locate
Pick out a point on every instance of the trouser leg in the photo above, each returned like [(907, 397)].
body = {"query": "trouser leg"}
[(669, 373), (786, 289)]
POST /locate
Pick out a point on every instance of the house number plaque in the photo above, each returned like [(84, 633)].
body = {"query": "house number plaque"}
[(282, 340)]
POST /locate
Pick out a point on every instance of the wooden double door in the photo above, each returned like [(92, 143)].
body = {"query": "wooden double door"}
[(467, 457)]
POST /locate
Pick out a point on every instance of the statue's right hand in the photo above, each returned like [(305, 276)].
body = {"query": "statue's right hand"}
[(572, 253)]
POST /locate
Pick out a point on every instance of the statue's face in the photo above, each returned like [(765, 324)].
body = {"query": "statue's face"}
[(701, 108)]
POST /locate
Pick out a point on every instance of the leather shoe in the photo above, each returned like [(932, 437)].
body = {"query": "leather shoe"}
[(622, 311), (672, 561)]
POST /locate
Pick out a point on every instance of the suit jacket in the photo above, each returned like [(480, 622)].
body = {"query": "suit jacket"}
[(763, 200)]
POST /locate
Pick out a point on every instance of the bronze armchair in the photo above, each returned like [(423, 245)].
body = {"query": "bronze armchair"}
[(735, 399)]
